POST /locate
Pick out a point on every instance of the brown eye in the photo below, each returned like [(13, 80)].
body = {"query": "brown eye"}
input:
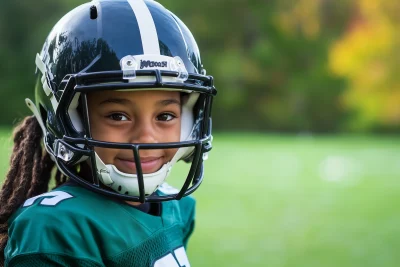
[(165, 117), (118, 117)]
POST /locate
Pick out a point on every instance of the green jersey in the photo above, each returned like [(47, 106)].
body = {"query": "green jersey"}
[(72, 226)]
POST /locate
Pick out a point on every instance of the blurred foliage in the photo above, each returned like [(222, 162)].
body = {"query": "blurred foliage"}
[(292, 65), (368, 57)]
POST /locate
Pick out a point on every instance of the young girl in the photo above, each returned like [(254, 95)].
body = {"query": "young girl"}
[(121, 96)]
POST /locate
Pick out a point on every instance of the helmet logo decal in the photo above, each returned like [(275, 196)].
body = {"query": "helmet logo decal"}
[(152, 64), (130, 64)]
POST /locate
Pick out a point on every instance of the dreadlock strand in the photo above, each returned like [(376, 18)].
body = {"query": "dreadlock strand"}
[(41, 174), (37, 169), (9, 182), (24, 182), (12, 179), (33, 160), (16, 156), (13, 175), (30, 145), (29, 174)]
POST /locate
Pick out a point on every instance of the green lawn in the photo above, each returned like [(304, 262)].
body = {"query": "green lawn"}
[(296, 201)]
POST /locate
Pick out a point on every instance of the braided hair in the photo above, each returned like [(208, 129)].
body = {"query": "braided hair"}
[(29, 174)]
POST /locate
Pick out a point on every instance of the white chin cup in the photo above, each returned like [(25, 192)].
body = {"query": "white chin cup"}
[(127, 183)]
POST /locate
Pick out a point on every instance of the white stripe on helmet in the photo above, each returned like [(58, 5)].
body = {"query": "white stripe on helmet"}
[(147, 27)]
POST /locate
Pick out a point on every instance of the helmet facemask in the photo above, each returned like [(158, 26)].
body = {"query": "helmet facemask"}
[(78, 146)]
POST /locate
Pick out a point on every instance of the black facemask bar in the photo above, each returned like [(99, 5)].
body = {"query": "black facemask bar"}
[(113, 80)]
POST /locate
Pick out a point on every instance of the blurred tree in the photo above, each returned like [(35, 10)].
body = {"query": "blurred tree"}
[(367, 55), (23, 28), (270, 58), (270, 61)]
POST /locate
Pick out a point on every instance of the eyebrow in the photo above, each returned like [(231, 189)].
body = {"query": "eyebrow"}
[(115, 100), (171, 101), (123, 101)]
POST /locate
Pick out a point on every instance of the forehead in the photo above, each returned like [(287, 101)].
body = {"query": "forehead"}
[(148, 95)]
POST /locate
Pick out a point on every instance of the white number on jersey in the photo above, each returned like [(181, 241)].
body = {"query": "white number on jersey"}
[(179, 260), (50, 198)]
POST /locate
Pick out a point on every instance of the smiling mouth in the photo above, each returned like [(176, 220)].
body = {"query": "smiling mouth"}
[(148, 164)]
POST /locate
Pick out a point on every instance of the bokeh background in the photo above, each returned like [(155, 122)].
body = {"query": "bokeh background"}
[(306, 162)]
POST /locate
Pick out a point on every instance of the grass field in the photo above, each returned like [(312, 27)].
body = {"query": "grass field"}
[(295, 201)]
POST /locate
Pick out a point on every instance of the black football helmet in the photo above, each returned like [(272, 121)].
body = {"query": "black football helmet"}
[(121, 45)]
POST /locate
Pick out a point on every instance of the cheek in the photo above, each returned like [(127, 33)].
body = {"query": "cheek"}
[(167, 133), (173, 136), (108, 155), (169, 154), (109, 134)]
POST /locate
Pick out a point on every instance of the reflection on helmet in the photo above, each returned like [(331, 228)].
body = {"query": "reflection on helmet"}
[(121, 45)]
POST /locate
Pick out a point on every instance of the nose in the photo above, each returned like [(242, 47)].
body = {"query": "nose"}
[(143, 132)]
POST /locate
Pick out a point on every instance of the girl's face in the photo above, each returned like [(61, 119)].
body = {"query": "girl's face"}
[(135, 117)]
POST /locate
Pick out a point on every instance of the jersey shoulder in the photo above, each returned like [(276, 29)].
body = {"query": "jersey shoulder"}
[(65, 203), (77, 223), (74, 221), (179, 211), (54, 223), (185, 206)]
